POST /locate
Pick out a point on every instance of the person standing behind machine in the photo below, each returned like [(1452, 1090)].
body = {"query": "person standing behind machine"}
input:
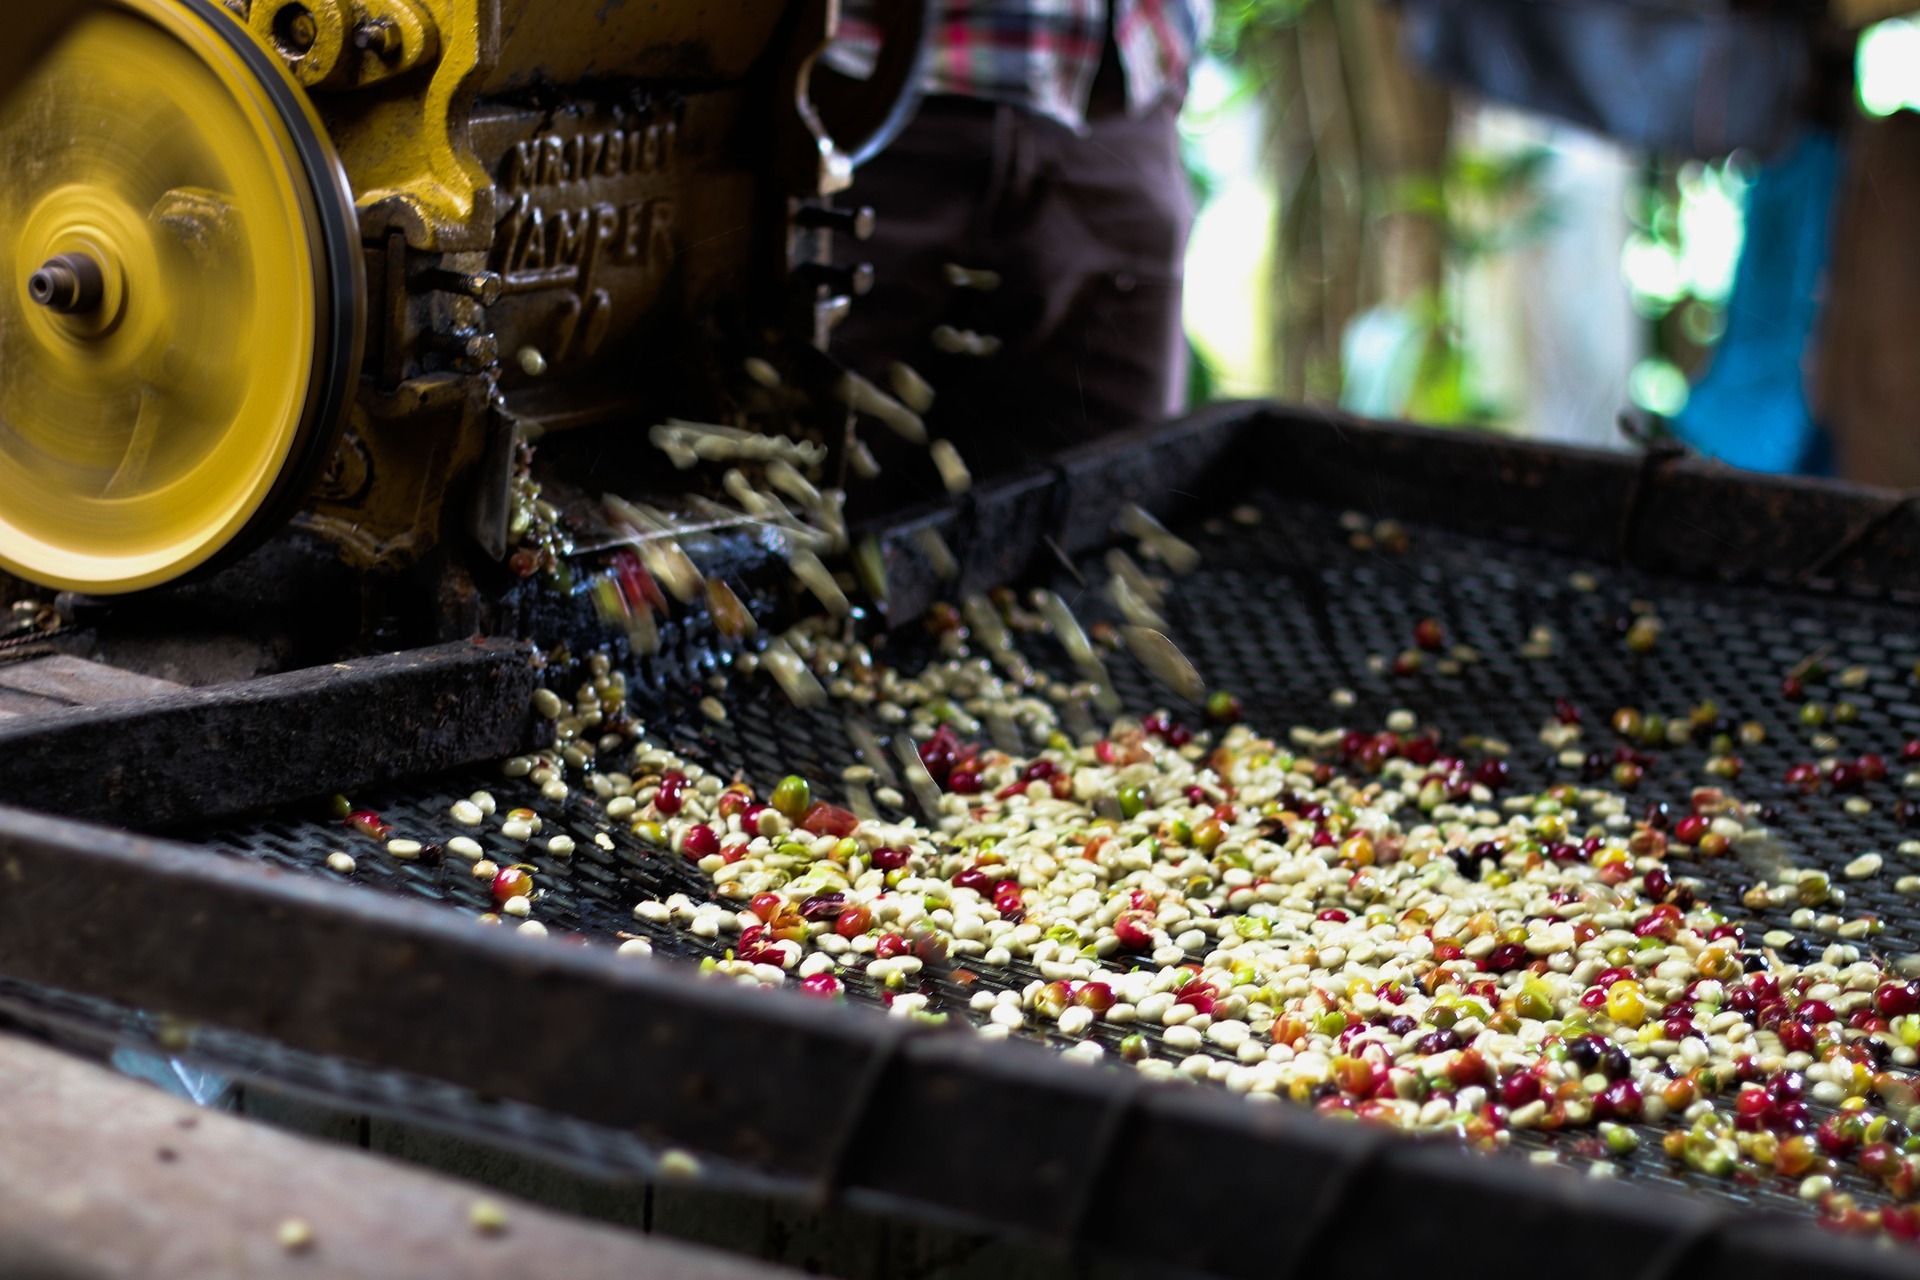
[(1031, 221)]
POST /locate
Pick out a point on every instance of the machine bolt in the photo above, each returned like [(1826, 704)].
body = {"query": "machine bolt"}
[(484, 287), (380, 37), (295, 30), (70, 283), (824, 279), (478, 349), (856, 222), (468, 347)]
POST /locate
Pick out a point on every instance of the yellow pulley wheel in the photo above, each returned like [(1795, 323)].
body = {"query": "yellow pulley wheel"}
[(180, 299)]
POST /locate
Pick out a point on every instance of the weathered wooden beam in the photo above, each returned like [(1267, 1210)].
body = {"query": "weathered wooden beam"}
[(35, 687), (101, 1176), (206, 753)]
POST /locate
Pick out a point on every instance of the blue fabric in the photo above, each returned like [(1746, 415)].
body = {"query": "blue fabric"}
[(1699, 79), (1751, 407)]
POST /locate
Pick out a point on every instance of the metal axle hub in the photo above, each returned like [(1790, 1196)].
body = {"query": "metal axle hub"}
[(70, 283)]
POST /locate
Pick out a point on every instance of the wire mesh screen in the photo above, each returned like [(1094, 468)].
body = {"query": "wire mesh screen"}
[(1283, 612)]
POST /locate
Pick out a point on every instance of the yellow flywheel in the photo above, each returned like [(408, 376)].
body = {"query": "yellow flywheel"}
[(180, 298)]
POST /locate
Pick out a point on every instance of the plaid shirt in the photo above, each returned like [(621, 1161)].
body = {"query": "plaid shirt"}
[(1042, 54)]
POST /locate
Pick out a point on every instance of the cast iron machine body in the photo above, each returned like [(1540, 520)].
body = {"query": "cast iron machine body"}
[(332, 260)]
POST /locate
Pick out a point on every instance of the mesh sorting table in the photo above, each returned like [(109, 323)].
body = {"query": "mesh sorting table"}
[(605, 1062)]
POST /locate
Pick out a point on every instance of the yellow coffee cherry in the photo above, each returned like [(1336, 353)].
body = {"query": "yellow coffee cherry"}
[(1625, 1004)]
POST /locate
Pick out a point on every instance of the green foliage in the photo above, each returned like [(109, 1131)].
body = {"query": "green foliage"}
[(1408, 360), (1202, 381), (1487, 203), (1688, 224), (1235, 22)]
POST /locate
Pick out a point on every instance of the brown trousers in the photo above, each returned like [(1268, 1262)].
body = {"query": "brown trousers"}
[(1087, 233)]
